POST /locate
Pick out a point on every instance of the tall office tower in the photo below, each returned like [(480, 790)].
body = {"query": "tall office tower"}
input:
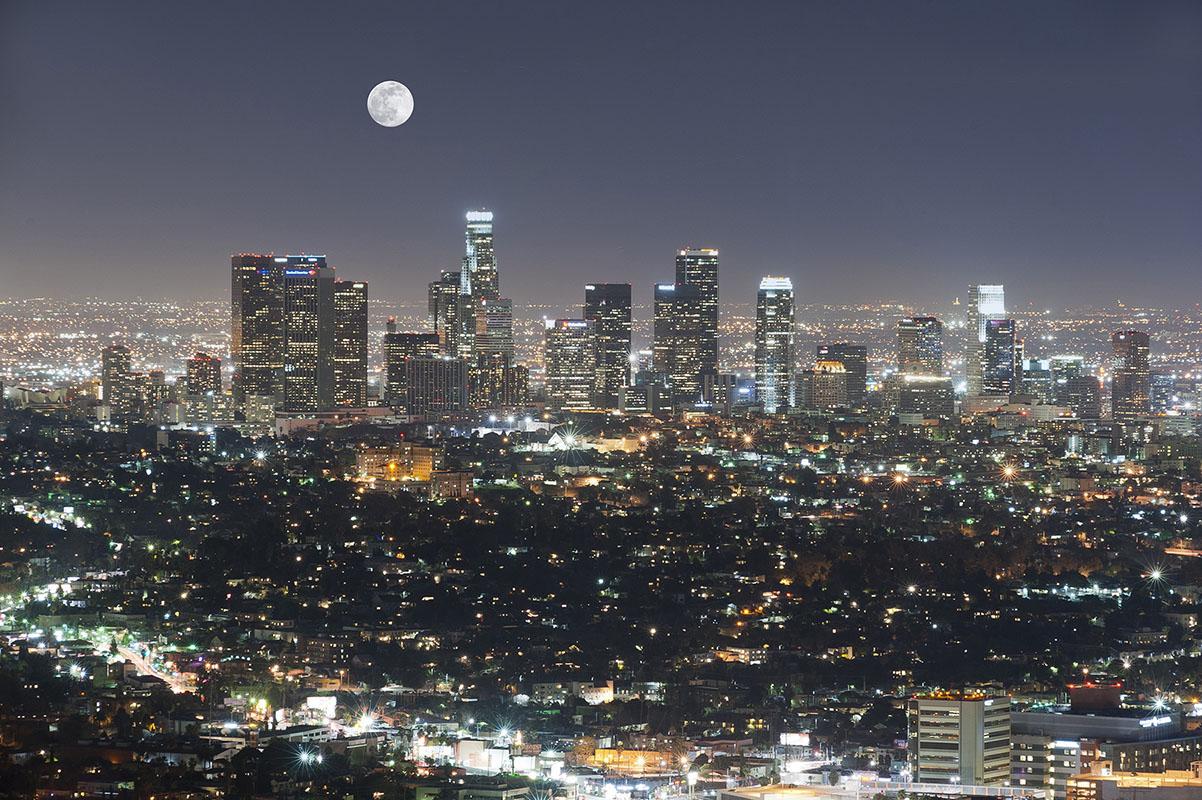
[(117, 385), (920, 346), (350, 343), (479, 281), (1082, 394), (570, 363), (775, 330), (958, 738), (479, 260), (825, 386), (308, 334), (443, 304), (435, 385), (203, 374), (494, 328), (493, 382), (677, 341), (1131, 387), (1002, 360), (699, 267), (398, 349), (257, 341), (984, 303), (608, 306), (854, 358)]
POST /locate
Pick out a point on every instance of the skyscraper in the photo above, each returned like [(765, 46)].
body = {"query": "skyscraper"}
[(854, 359), (257, 335), (699, 268), (479, 284), (607, 305), (117, 388), (203, 374), (569, 361), (443, 304), (308, 334), (494, 328), (1131, 387), (774, 334), (435, 385), (350, 343), (985, 302), (495, 382), (920, 346), (398, 349), (678, 340), (1001, 358)]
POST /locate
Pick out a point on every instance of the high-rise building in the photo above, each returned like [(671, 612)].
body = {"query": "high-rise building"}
[(494, 328), (479, 282), (854, 360), (699, 268), (1002, 360), (678, 341), (350, 343), (398, 349), (825, 386), (570, 363), (495, 382), (1131, 386), (203, 374), (920, 346), (443, 305), (775, 324), (985, 302), (959, 738), (117, 386), (308, 334), (257, 336), (607, 305), (435, 385), (923, 397)]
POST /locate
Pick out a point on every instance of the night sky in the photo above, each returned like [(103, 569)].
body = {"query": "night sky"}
[(870, 151)]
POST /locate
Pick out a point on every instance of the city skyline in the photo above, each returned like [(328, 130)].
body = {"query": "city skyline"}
[(906, 149)]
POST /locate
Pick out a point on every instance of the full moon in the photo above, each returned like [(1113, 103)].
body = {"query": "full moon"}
[(390, 103)]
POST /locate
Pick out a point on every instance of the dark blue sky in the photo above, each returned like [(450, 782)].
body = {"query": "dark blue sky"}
[(868, 150)]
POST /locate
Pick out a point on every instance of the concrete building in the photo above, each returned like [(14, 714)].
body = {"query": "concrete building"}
[(959, 738)]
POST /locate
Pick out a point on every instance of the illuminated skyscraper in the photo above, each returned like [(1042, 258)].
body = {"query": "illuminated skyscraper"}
[(495, 382), (1001, 358), (257, 335), (775, 326), (479, 284), (1131, 387), (920, 346), (308, 334), (678, 341), (435, 385), (608, 306), (854, 360), (398, 349), (350, 343), (699, 268), (203, 374), (494, 328), (985, 302), (117, 385), (570, 364), (443, 304)]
